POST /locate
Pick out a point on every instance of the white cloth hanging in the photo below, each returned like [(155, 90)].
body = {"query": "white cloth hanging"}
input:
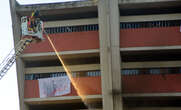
[(56, 86)]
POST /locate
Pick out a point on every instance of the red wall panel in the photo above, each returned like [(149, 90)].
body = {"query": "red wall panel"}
[(88, 85), (152, 83), (31, 89), (140, 37), (130, 84), (67, 42)]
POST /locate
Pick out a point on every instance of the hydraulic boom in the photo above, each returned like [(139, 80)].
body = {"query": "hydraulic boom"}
[(32, 30), (11, 57)]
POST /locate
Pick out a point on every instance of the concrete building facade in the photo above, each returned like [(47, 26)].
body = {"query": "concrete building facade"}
[(125, 54)]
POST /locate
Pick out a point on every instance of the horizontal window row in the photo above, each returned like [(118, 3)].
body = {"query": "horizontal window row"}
[(127, 25), (93, 27), (50, 75), (153, 71), (150, 24)]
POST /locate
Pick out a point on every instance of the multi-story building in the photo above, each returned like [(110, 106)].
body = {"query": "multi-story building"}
[(125, 54)]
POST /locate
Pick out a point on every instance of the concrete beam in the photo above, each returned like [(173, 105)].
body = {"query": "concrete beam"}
[(61, 100), (64, 54), (141, 95), (147, 108), (156, 17), (70, 22), (147, 1), (153, 108), (91, 67), (73, 68), (144, 1), (109, 32), (136, 18), (146, 4), (88, 109), (58, 8), (154, 48), (90, 5), (16, 24), (151, 64)]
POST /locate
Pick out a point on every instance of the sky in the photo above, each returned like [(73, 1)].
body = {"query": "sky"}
[(8, 85)]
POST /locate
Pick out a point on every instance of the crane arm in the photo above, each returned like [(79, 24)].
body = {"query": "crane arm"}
[(10, 59), (32, 30)]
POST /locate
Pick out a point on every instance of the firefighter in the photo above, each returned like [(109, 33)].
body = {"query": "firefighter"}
[(33, 21)]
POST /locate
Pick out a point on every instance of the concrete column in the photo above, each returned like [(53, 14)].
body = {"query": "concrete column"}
[(109, 36), (16, 24)]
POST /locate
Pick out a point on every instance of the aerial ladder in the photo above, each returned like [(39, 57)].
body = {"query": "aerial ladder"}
[(32, 31)]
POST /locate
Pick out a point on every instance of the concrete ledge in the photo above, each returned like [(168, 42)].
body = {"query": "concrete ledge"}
[(74, 68), (90, 67), (64, 99), (64, 54), (129, 49), (139, 4), (131, 95), (144, 1), (153, 108), (75, 99), (89, 21), (90, 5), (55, 8)]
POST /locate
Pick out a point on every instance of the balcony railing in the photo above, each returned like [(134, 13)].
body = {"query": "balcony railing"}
[(124, 72), (60, 74), (149, 24), (123, 25), (93, 27)]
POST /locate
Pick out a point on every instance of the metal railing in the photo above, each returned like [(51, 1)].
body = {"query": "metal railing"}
[(151, 71), (123, 25), (93, 27), (124, 72), (149, 24), (60, 74)]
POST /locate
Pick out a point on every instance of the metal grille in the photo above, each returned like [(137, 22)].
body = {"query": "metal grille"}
[(123, 25), (149, 24), (124, 72), (60, 74), (153, 71), (93, 27)]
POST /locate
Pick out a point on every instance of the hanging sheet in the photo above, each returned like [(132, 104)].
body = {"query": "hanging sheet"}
[(57, 86)]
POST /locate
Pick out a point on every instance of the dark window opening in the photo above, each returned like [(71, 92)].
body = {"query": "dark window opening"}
[(150, 24), (56, 62), (61, 74), (124, 72), (64, 29), (151, 71)]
